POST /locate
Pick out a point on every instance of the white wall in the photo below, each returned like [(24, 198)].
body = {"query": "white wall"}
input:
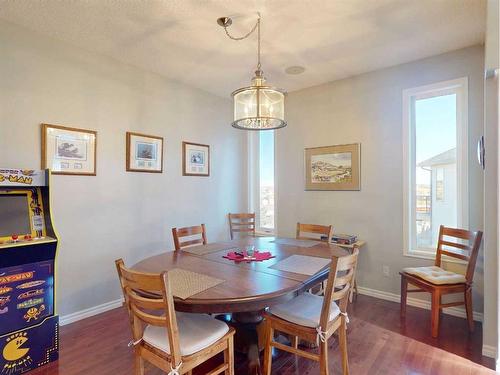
[(117, 213), (368, 109)]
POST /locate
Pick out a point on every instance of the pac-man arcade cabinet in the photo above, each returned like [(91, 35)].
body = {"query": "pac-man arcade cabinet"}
[(28, 246)]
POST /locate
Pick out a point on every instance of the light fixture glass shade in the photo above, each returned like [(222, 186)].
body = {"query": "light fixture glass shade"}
[(259, 107)]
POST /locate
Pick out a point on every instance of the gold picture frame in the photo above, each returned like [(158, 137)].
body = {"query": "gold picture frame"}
[(195, 159), (69, 151), (144, 153), (333, 167)]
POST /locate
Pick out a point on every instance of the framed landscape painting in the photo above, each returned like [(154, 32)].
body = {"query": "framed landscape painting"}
[(195, 159), (333, 167), (69, 151), (144, 153)]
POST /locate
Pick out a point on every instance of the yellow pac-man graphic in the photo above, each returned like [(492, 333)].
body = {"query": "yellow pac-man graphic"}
[(34, 313), (16, 357)]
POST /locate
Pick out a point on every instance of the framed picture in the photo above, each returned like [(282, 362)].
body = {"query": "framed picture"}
[(333, 167), (144, 153), (69, 151), (195, 159)]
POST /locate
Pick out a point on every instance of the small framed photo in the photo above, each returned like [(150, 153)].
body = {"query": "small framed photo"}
[(333, 167), (195, 159), (144, 153), (69, 151)]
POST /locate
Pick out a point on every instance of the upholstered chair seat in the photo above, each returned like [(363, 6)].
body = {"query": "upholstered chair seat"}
[(196, 332), (304, 310), (436, 275)]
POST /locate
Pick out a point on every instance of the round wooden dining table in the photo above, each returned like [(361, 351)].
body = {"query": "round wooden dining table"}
[(248, 287)]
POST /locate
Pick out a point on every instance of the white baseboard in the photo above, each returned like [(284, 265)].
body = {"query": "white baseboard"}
[(455, 311), (87, 313), (489, 351)]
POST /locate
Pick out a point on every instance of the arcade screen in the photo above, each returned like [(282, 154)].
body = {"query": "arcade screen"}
[(14, 215)]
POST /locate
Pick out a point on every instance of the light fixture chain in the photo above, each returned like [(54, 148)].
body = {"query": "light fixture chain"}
[(258, 44), (237, 38), (244, 36)]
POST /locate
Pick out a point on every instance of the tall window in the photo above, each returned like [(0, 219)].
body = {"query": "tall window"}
[(435, 140), (261, 167)]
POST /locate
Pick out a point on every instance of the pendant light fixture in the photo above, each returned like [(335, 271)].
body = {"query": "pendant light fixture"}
[(259, 106)]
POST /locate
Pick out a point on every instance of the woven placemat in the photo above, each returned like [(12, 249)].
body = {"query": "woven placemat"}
[(185, 284), (303, 264), (296, 242), (206, 249)]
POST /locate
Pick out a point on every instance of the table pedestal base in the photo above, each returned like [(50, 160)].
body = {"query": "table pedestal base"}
[(249, 337)]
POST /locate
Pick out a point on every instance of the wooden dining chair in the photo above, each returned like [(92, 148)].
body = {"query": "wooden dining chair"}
[(314, 232), (318, 233), (242, 223), (196, 230), (438, 281), (174, 342), (314, 318)]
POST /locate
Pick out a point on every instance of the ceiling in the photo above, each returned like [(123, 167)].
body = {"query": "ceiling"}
[(332, 39)]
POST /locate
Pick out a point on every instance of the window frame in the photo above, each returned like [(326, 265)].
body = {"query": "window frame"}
[(459, 87), (253, 144)]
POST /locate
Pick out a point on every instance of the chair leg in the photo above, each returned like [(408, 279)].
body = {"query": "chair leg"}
[(139, 364), (404, 294), (323, 357), (354, 289), (268, 351), (229, 356), (343, 349), (468, 308), (435, 306), (294, 341)]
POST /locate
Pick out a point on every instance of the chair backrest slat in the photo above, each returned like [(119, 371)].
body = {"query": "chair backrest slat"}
[(456, 245), (145, 302), (344, 279), (198, 241), (178, 233), (459, 250), (147, 318), (341, 293), (242, 223), (322, 230), (452, 254), (149, 301), (338, 286), (457, 233)]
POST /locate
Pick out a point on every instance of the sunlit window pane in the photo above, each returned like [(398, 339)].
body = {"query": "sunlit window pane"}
[(266, 180), (435, 167)]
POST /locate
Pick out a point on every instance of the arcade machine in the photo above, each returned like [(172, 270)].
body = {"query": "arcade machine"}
[(28, 247)]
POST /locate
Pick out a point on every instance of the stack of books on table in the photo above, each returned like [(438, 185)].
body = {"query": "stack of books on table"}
[(344, 239)]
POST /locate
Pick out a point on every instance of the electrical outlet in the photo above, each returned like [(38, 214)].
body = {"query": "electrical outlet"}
[(386, 271)]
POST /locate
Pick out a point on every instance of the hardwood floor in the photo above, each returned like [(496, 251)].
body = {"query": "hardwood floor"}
[(378, 344)]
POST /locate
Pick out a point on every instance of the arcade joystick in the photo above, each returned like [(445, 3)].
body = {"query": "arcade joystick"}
[(28, 237), (14, 237)]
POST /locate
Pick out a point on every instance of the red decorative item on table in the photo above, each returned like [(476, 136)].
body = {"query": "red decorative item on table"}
[(244, 257)]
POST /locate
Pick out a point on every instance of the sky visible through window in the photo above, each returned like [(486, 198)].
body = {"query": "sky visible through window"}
[(435, 133), (436, 129)]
